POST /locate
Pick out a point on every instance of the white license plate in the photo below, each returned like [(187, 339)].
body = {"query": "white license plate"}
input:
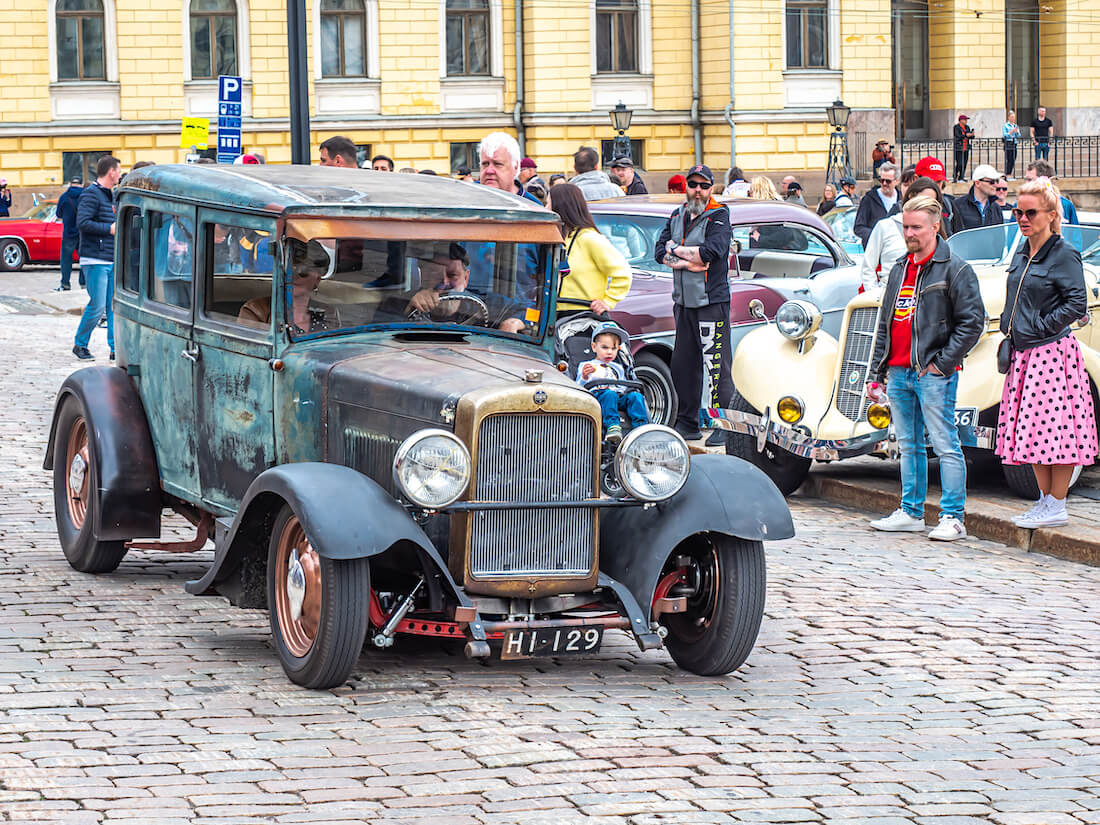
[(552, 641)]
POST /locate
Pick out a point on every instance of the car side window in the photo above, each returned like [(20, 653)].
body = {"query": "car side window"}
[(239, 263), (131, 244), (171, 257)]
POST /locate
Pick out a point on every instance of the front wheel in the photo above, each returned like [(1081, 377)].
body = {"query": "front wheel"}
[(12, 256), (76, 493), (319, 607), (724, 580), (657, 387), (786, 470)]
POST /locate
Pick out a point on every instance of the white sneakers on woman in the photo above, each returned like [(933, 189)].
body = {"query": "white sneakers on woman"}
[(1047, 512)]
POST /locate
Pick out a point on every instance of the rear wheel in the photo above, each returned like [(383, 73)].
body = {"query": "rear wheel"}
[(724, 580), (659, 392), (786, 470), (319, 607), (12, 256), (1020, 479), (76, 493)]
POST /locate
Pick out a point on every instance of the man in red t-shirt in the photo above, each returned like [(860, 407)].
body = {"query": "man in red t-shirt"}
[(932, 315)]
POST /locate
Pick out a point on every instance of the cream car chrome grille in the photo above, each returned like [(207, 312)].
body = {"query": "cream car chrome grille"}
[(858, 348), (534, 458)]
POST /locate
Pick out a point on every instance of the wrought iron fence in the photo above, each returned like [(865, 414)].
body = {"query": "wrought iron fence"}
[(859, 156), (1071, 157)]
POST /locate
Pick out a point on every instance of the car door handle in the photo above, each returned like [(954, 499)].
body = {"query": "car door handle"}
[(191, 353)]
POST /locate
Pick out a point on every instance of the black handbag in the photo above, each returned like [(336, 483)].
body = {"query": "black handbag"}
[(1005, 350)]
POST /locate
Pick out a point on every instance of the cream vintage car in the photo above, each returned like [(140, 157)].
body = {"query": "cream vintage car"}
[(801, 392)]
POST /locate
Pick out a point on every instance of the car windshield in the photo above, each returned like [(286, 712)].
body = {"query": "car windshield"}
[(997, 244), (635, 236), (352, 283), (42, 211), (842, 221)]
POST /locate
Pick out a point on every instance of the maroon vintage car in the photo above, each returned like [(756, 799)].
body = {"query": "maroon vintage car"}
[(33, 238), (780, 251)]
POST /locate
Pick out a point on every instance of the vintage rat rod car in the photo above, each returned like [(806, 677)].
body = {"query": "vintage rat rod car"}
[(344, 378), (801, 392)]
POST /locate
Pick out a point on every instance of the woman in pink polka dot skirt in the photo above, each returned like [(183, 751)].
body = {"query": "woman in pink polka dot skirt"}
[(1046, 417)]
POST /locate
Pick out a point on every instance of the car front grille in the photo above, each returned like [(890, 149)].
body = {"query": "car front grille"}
[(858, 348), (538, 457)]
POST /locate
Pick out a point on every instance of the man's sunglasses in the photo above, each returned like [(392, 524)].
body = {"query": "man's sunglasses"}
[(1027, 213), (699, 184), (987, 180), (1001, 189)]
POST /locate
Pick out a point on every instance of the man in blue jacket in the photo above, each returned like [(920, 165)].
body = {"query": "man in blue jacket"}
[(70, 237), (95, 219)]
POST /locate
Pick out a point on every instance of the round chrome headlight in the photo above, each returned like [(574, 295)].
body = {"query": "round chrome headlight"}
[(432, 468), (653, 462), (797, 319)]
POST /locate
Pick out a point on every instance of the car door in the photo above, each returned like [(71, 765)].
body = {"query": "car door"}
[(235, 380), (164, 353)]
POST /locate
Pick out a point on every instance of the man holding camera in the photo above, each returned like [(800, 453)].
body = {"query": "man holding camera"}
[(882, 153)]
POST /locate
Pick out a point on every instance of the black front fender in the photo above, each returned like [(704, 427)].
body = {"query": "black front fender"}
[(723, 495), (344, 514), (129, 496)]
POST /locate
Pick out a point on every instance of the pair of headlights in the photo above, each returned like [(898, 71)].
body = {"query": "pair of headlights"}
[(432, 467)]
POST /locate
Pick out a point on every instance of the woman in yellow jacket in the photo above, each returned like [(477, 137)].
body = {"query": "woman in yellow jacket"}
[(597, 274)]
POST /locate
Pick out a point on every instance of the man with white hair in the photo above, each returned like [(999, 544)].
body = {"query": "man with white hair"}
[(500, 160)]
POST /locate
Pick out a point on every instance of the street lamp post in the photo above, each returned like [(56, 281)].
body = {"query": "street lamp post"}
[(299, 84), (620, 121), (839, 165)]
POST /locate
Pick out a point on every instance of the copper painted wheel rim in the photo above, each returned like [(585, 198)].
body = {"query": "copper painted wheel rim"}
[(299, 633), (77, 472)]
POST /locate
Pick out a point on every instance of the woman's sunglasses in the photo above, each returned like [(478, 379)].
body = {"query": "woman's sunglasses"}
[(1027, 213)]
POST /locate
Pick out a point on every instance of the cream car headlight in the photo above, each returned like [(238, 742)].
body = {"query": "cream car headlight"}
[(797, 320), (653, 462), (432, 468)]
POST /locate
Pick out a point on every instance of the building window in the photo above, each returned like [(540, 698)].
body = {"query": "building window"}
[(465, 154), (80, 165), (363, 155), (343, 38), (213, 38), (807, 31), (80, 43), (637, 153), (616, 36), (467, 37)]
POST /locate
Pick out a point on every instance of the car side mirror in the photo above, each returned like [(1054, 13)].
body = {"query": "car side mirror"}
[(756, 309)]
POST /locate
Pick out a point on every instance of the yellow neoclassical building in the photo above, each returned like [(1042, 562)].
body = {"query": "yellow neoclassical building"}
[(423, 80)]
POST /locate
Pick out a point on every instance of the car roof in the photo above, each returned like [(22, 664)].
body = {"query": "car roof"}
[(742, 210), (328, 190)]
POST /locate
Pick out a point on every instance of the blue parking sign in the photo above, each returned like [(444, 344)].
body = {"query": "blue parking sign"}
[(229, 118)]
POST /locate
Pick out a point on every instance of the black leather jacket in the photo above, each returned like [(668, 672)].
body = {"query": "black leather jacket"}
[(1052, 296), (948, 317)]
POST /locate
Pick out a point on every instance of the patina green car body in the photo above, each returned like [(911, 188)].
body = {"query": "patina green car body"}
[(279, 441)]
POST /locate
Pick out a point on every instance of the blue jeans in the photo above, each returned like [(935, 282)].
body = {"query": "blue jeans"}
[(632, 403), (67, 249), (916, 404), (100, 279), (1042, 148)]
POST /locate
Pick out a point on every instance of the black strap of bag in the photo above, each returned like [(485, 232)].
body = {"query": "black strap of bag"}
[(1005, 349)]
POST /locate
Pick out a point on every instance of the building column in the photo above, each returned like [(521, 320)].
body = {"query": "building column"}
[(967, 68), (1069, 67)]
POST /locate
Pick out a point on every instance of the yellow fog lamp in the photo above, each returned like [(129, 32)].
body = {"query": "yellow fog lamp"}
[(878, 415), (790, 409)]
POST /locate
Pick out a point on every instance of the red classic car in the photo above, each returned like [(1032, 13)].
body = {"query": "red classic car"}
[(780, 251), (34, 238)]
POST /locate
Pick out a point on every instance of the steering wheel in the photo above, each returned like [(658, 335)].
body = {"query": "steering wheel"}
[(476, 313)]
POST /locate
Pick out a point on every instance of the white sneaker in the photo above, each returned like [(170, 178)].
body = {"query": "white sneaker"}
[(899, 521), (1053, 515), (949, 529), (1033, 513)]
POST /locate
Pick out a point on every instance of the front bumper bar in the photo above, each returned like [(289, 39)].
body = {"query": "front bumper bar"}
[(767, 431)]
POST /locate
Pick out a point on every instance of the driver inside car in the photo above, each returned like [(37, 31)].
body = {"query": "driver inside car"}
[(465, 307)]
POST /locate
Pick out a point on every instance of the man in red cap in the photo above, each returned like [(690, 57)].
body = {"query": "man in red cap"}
[(933, 169), (963, 135)]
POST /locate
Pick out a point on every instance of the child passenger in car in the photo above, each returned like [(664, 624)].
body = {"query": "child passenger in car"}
[(607, 339)]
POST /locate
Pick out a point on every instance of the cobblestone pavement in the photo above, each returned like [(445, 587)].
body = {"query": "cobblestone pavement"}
[(894, 681)]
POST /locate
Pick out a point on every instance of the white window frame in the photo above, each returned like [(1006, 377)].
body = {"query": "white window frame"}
[(832, 20), (374, 70), (645, 40), (244, 51), (813, 88), (496, 44), (110, 43)]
